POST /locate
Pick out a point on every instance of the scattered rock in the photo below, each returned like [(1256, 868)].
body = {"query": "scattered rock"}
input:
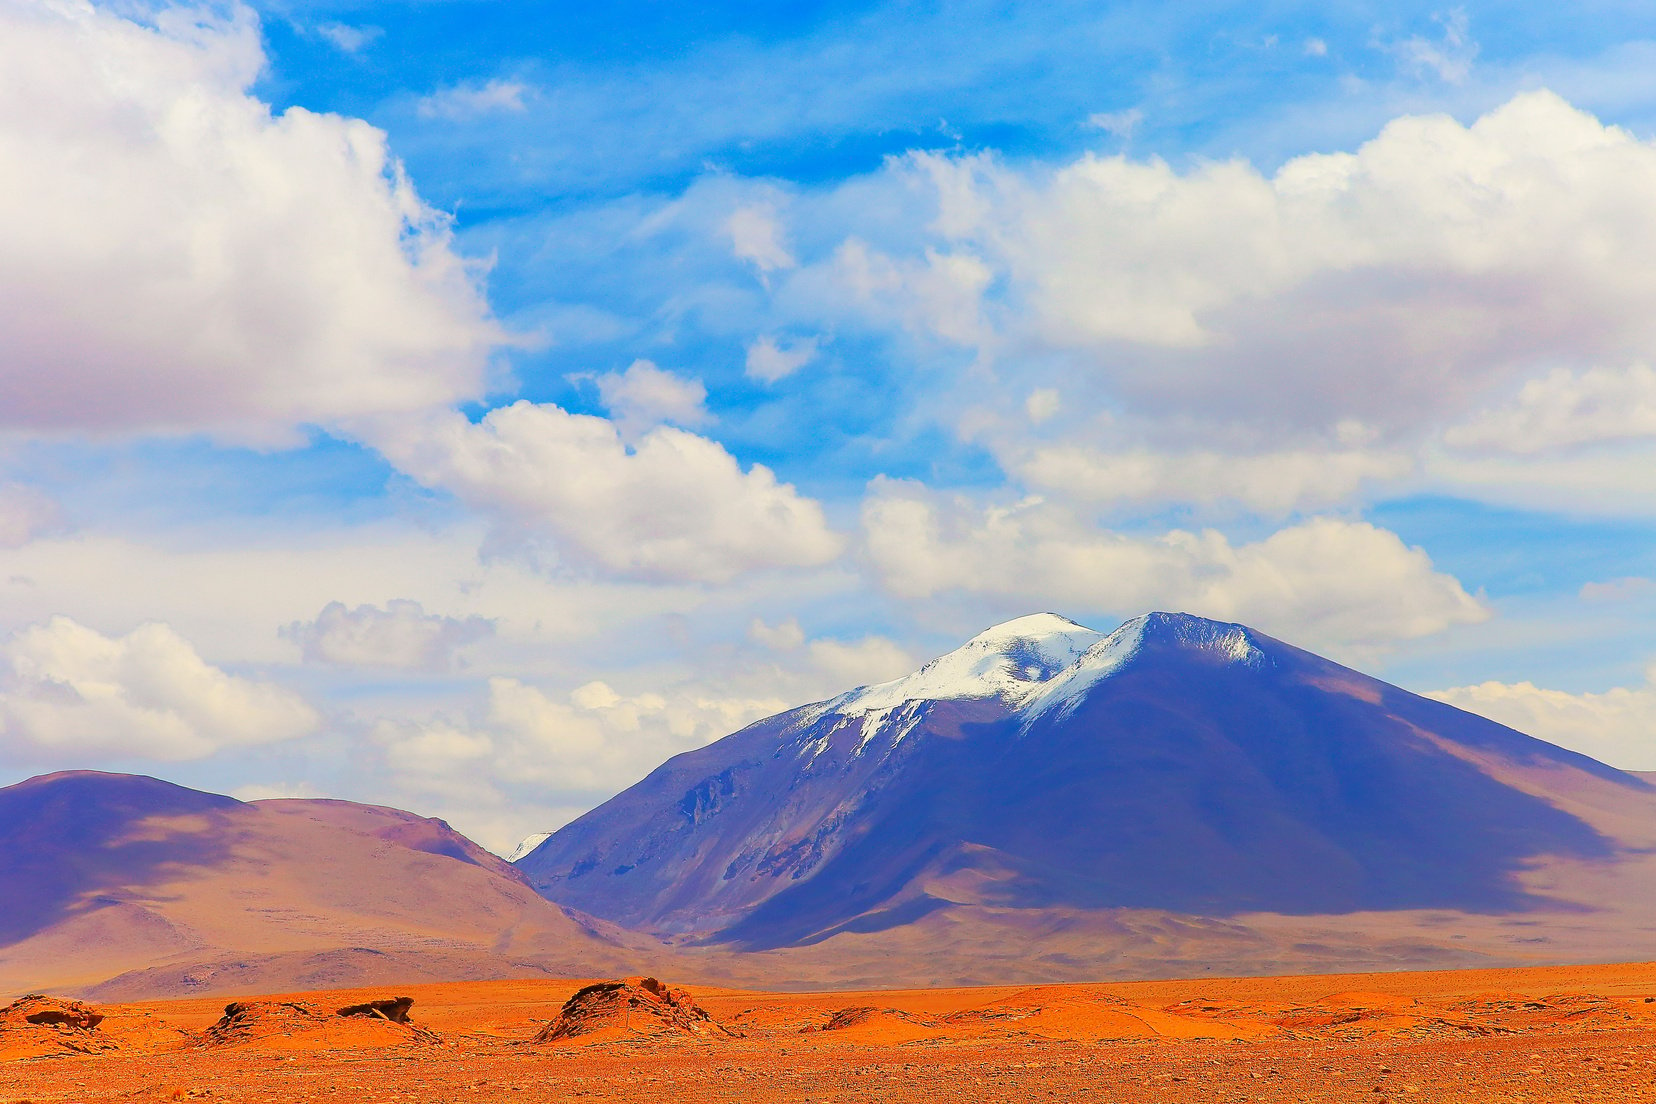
[(394, 1010), (638, 1006)]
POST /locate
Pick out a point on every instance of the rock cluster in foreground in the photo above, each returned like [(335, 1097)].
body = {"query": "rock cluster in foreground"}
[(637, 1005)]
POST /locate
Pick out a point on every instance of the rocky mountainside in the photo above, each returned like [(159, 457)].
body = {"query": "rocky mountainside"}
[(1178, 766), (123, 886)]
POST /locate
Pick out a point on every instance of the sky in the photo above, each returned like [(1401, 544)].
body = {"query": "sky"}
[(466, 406)]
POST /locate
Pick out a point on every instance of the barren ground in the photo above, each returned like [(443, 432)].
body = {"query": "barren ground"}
[(1543, 1034)]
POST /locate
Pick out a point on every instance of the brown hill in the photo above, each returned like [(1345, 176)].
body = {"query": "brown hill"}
[(121, 886)]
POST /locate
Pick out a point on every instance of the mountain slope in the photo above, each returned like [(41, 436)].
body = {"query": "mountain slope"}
[(1178, 765), (130, 886)]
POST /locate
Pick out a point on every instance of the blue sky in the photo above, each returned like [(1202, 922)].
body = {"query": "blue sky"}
[(466, 406)]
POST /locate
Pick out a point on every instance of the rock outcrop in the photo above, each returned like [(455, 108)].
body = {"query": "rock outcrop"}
[(372, 1023), (395, 1010), (633, 1006), (39, 1024)]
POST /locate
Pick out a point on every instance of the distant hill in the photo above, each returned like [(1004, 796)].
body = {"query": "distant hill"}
[(1178, 794), (120, 885)]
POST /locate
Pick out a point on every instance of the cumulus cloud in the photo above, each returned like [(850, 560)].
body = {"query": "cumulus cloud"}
[(591, 738), (468, 101), (1324, 582), (824, 667), (401, 635), (940, 292), (644, 396), (1565, 408), (1400, 284), (174, 256), (67, 690), (1617, 727), (675, 507), (784, 636), (768, 360), (1272, 483), (589, 742)]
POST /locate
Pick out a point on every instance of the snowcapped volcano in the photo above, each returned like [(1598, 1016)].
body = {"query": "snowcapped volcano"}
[(1010, 662), (1177, 764), (1032, 663)]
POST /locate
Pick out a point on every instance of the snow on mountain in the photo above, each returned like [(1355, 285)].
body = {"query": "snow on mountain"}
[(1039, 663), (1009, 661), (526, 845), (1064, 690)]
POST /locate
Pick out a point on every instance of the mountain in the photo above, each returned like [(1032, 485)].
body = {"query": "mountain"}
[(1178, 779), (123, 886)]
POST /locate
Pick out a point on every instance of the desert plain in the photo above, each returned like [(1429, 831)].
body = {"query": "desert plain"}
[(1577, 1033)]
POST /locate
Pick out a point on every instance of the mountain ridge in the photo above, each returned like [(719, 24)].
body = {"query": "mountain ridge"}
[(1178, 764)]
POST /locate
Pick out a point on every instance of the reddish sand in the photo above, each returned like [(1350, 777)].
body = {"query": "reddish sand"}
[(1544, 1034)]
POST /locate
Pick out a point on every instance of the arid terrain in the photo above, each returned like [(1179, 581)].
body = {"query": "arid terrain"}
[(1543, 1034)]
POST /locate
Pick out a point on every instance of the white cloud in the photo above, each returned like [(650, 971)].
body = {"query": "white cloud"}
[(941, 293), (837, 665), (825, 667), (1324, 582), (675, 507), (67, 690), (769, 361), (1122, 124), (1041, 404), (1273, 483), (784, 636), (1399, 285), (756, 237), (644, 396), (1612, 479), (1315, 47), (1616, 590), (469, 101), (592, 738), (175, 257), (596, 739), (1565, 408), (260, 791), (401, 635), (1449, 57), (1617, 727), (25, 514), (346, 38)]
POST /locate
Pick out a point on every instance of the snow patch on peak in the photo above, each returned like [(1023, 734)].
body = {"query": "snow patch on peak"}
[(526, 845), (1009, 661), (1098, 662), (1186, 631), (1232, 643)]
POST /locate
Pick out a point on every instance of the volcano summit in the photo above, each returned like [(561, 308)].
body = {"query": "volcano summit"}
[(1178, 765)]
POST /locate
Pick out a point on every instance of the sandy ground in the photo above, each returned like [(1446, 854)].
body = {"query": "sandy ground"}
[(1544, 1034)]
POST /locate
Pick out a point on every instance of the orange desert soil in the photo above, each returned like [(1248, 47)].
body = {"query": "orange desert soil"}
[(1577, 1033)]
